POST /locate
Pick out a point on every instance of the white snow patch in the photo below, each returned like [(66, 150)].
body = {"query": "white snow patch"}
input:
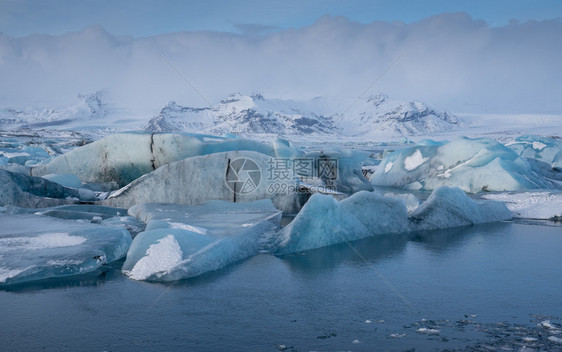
[(46, 240), (538, 145), (388, 166), (160, 258), (413, 161), (196, 229), (7, 273), (61, 262)]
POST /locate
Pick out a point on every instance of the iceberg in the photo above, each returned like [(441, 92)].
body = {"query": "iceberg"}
[(34, 247), (539, 148), (121, 158), (540, 204), (380, 214), (324, 221), (237, 176), (473, 165), (186, 241), (450, 207), (33, 192)]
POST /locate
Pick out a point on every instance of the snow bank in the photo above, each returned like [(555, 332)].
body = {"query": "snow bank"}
[(470, 164), (187, 241), (34, 247)]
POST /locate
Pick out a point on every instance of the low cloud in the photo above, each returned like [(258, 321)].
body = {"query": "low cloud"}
[(453, 61)]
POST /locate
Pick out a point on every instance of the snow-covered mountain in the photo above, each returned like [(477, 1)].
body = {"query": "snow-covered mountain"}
[(256, 114), (372, 116)]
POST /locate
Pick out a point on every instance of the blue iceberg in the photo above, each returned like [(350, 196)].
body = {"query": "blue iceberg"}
[(186, 241)]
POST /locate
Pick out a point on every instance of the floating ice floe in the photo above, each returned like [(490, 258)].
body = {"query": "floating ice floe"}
[(470, 164), (35, 247), (324, 221), (186, 241), (545, 204)]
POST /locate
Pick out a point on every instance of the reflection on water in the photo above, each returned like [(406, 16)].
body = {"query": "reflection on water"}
[(371, 249)]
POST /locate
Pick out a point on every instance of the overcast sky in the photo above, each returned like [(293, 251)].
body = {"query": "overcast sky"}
[(492, 56)]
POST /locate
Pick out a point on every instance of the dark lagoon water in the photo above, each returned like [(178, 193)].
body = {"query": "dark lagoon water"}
[(477, 288)]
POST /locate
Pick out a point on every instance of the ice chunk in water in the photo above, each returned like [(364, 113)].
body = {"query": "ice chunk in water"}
[(34, 247), (186, 241), (325, 221), (322, 221)]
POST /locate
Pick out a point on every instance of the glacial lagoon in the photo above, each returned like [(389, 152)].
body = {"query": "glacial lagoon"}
[(484, 287)]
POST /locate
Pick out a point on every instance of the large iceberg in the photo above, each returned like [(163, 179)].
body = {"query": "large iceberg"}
[(124, 157), (34, 247), (237, 176), (324, 221), (473, 165), (186, 241)]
